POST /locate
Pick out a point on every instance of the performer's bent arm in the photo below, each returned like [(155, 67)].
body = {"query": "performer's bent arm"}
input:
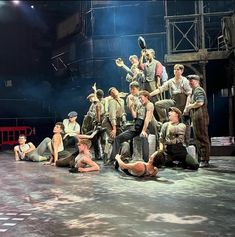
[(123, 165), (31, 147), (91, 163)]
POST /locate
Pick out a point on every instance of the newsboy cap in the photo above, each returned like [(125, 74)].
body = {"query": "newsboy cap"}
[(176, 110), (193, 77), (72, 114)]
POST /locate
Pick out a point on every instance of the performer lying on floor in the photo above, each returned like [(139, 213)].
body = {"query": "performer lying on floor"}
[(84, 158), (139, 168)]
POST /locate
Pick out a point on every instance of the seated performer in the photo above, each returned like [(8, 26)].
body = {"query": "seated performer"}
[(180, 92), (143, 115), (56, 145), (138, 169), (28, 152), (71, 129), (172, 147), (84, 158)]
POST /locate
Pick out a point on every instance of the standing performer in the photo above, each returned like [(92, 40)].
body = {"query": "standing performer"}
[(152, 68), (115, 116), (200, 120), (133, 73)]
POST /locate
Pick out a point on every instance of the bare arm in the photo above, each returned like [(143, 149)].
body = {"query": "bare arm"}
[(16, 154), (98, 109), (148, 118), (93, 166), (155, 92), (56, 142), (31, 147), (123, 165), (84, 136), (133, 110), (141, 65)]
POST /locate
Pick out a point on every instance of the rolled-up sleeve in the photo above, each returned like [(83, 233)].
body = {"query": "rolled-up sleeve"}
[(187, 87)]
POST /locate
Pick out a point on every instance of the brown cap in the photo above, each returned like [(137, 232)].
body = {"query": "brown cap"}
[(176, 110), (193, 77)]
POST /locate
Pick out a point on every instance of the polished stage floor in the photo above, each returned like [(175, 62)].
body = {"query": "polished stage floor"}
[(37, 200)]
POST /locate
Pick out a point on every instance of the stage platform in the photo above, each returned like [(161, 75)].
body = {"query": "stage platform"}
[(44, 201)]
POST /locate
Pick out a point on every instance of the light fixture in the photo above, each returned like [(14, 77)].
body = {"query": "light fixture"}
[(16, 2)]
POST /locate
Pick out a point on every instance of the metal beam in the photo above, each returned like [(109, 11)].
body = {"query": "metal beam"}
[(201, 55)]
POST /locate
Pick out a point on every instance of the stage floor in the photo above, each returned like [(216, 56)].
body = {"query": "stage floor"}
[(37, 200)]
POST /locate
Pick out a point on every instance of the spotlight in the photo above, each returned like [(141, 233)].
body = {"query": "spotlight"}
[(16, 2), (32, 6)]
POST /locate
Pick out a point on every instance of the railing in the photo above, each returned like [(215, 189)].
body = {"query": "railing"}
[(10, 135), (11, 128)]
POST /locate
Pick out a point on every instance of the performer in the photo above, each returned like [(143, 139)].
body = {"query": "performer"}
[(152, 69), (84, 158), (138, 169), (133, 73), (200, 120), (71, 129), (133, 100), (114, 118), (94, 114), (172, 147), (56, 145), (180, 92), (143, 115), (28, 152)]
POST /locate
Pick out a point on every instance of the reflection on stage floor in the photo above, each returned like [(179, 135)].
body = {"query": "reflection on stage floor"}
[(45, 201)]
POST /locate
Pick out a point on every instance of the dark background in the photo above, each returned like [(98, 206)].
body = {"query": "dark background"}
[(33, 93)]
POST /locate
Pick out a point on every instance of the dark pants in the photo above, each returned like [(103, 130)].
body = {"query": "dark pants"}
[(200, 121), (70, 142), (67, 161), (128, 135), (178, 152)]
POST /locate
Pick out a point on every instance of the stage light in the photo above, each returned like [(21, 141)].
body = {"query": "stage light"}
[(16, 2), (32, 6)]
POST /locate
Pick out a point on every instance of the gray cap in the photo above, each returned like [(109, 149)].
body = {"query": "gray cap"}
[(193, 77), (134, 84), (72, 114)]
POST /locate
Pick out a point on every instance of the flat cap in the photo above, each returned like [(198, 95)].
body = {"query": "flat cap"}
[(72, 114), (110, 89), (176, 110), (134, 84), (193, 77)]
